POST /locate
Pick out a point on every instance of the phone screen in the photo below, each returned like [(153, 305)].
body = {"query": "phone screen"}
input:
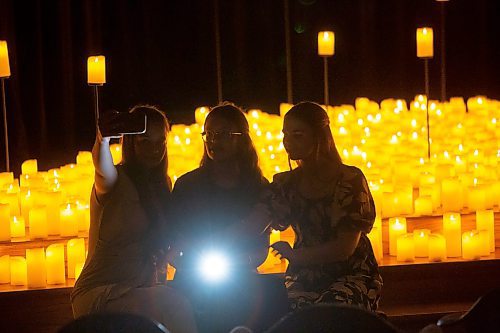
[(113, 123)]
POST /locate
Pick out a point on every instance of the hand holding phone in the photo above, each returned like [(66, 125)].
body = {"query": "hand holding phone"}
[(115, 124)]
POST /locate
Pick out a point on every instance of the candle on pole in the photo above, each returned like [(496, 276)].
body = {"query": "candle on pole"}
[(425, 50), (326, 49), (96, 76), (5, 73)]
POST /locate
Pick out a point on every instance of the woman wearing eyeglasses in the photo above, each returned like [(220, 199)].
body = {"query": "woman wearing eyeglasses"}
[(206, 202)]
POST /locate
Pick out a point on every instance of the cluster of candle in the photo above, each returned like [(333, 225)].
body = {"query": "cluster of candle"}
[(54, 202), (452, 243), (44, 266)]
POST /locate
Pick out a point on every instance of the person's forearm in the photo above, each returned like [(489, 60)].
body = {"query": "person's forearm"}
[(105, 171), (339, 249)]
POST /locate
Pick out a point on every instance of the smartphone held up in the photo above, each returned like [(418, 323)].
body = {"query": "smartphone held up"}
[(115, 124)]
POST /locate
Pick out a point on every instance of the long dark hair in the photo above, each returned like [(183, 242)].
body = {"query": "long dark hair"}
[(317, 119), (153, 185), (246, 158)]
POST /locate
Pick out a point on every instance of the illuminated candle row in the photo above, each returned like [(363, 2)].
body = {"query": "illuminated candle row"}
[(44, 266)]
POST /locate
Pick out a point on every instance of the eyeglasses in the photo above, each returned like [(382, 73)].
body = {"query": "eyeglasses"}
[(223, 136)]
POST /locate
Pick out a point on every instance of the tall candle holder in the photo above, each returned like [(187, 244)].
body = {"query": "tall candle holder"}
[(5, 73), (326, 49), (425, 51), (96, 71), (442, 36)]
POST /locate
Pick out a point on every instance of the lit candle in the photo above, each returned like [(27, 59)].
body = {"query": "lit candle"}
[(83, 216), (437, 247), (54, 199), (452, 230), (421, 239), (485, 220), (76, 254), (12, 198), (200, 114), (79, 269), (4, 59), (470, 245), (5, 269), (326, 43), (96, 70), (425, 42), (17, 226), (4, 222), (423, 205), (476, 197), (29, 167), (405, 248), (38, 222), (69, 222), (376, 241), (55, 264), (26, 204), (484, 243), (36, 269), (451, 190), (397, 227), (18, 271)]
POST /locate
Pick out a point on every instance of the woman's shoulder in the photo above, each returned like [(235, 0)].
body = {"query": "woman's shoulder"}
[(285, 177), (351, 173), (191, 178)]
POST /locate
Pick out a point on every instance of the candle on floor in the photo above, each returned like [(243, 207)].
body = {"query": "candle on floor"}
[(485, 220), (421, 238), (76, 254), (4, 222), (437, 247), (36, 268), (17, 226), (55, 264), (5, 269), (452, 231), (397, 227), (18, 271), (470, 245), (450, 198), (484, 243), (405, 248)]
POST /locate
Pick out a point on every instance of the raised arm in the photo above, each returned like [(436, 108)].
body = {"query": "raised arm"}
[(106, 174)]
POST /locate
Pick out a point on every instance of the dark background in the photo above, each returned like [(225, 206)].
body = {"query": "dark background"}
[(162, 52)]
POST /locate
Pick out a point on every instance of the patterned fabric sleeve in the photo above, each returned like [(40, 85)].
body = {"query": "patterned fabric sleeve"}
[(353, 207)]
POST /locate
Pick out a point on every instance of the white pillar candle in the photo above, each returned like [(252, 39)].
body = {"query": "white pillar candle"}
[(5, 269), (405, 248), (36, 269), (476, 197), (423, 205), (54, 201), (69, 221), (18, 271), (450, 198), (4, 222), (421, 238), (29, 167), (397, 227), (38, 222), (470, 245), (376, 242), (485, 220), (452, 230), (437, 247), (17, 226), (76, 254), (55, 264)]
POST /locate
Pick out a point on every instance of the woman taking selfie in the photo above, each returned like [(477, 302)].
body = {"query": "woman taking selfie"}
[(127, 228)]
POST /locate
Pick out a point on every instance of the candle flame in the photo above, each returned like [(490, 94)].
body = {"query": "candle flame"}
[(325, 35)]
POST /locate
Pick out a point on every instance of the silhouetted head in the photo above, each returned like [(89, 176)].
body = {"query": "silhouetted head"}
[(307, 134)]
